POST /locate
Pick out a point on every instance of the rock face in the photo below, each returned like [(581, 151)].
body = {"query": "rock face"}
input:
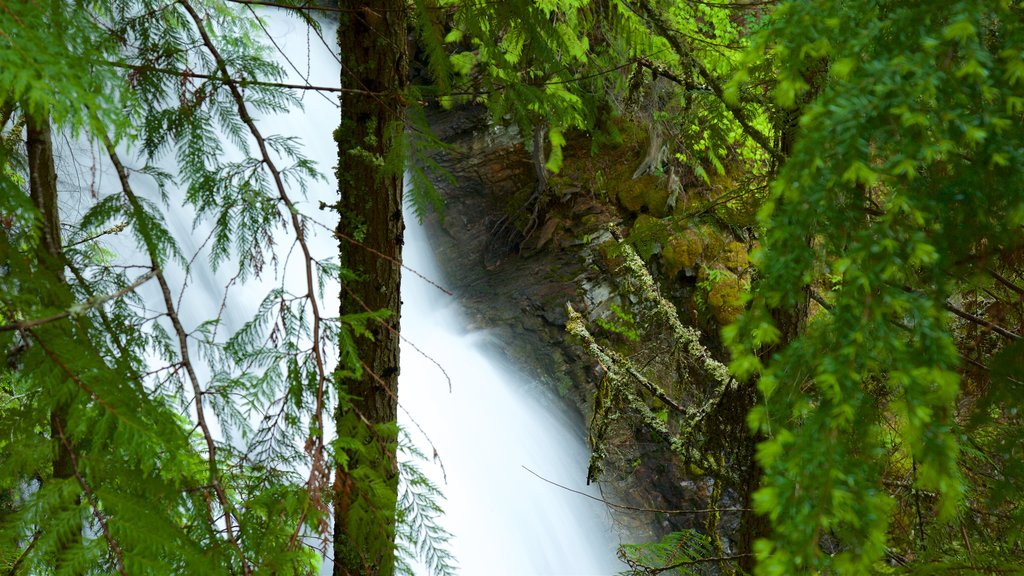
[(518, 289)]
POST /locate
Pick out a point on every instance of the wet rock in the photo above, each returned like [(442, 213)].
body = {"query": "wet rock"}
[(517, 289)]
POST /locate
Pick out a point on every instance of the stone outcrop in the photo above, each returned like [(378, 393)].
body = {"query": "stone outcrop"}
[(518, 287)]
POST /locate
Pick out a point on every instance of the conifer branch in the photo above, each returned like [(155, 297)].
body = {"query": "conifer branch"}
[(79, 308), (316, 451), (685, 54), (93, 504), (179, 330), (28, 332), (24, 554)]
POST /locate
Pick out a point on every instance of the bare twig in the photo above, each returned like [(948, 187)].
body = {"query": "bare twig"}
[(982, 322), (225, 79), (659, 569), (391, 329), (390, 259), (112, 230), (1006, 282), (635, 508)]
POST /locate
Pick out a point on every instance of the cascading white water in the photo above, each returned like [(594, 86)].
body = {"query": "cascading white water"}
[(490, 430)]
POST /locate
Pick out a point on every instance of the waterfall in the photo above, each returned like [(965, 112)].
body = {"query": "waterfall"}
[(495, 432), (490, 430)]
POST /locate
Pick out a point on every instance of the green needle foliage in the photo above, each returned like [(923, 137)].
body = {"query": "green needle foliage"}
[(132, 442), (901, 198)]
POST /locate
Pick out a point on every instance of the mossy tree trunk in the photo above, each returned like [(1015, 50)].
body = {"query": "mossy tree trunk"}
[(372, 37), (42, 183)]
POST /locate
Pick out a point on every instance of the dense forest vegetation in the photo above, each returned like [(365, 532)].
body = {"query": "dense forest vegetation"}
[(837, 184)]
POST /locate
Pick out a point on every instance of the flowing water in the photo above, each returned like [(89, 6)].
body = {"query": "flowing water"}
[(495, 432)]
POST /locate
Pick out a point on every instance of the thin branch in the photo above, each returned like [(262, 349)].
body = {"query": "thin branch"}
[(981, 322), (114, 547), (821, 301), (282, 54), (112, 230), (828, 307), (24, 554), (303, 6), (391, 329), (388, 258), (1005, 281), (634, 508), (79, 308), (660, 569), (391, 393), (244, 83), (316, 451), (179, 330)]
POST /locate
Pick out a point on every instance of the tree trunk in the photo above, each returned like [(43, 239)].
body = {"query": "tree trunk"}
[(372, 38), (42, 184), (540, 161), (791, 323)]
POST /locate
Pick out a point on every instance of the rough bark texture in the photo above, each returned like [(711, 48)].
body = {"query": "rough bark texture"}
[(42, 183), (372, 40)]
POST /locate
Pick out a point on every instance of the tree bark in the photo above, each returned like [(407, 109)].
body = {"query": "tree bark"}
[(791, 322), (540, 169), (42, 184), (372, 38)]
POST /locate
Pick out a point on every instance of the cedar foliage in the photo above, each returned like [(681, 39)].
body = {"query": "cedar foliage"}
[(881, 143), (167, 470), (899, 208)]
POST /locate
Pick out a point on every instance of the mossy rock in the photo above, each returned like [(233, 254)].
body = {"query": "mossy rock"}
[(724, 298), (631, 196), (714, 242), (647, 236), (734, 256), (682, 250), (611, 254), (634, 195), (656, 200)]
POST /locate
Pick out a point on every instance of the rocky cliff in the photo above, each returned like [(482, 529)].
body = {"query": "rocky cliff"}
[(518, 286)]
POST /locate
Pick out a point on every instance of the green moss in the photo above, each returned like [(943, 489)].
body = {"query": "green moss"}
[(682, 251), (734, 256), (656, 199), (611, 256), (724, 298), (714, 242), (630, 195)]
